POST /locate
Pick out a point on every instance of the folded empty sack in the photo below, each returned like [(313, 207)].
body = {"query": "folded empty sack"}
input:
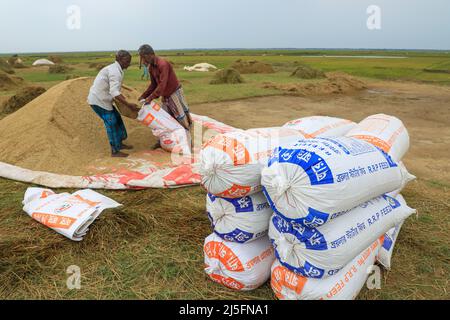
[(68, 214)]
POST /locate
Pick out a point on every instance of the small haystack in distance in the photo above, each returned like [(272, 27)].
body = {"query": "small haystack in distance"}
[(227, 76), (306, 72), (5, 66), (97, 65), (8, 82), (16, 62), (253, 66), (58, 68), (21, 98), (333, 83), (55, 59), (43, 62)]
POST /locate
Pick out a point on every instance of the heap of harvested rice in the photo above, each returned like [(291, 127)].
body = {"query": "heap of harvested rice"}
[(306, 72), (21, 98), (16, 62), (59, 68), (55, 59), (246, 67), (227, 76), (97, 65), (8, 82), (59, 132), (334, 83), (6, 67)]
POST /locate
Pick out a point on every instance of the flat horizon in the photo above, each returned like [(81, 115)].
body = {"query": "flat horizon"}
[(237, 49)]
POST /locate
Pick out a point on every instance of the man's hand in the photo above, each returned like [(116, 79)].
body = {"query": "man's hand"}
[(133, 106)]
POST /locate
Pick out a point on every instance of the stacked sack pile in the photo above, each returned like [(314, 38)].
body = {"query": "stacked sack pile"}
[(337, 208), (239, 253)]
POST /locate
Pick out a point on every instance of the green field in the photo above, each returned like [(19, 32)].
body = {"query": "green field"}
[(151, 250), (410, 67)]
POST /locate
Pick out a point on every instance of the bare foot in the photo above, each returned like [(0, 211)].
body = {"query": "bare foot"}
[(119, 155), (125, 147)]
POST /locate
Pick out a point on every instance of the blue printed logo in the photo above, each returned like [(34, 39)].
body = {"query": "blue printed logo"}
[(311, 238), (307, 270), (212, 197), (389, 160), (315, 167), (392, 201), (387, 243), (244, 204), (236, 235)]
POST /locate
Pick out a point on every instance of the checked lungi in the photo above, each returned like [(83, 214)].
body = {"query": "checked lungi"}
[(114, 125), (178, 108)]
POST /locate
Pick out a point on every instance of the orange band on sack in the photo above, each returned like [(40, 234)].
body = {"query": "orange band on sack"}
[(53, 221), (45, 194), (235, 150), (156, 107), (282, 277), (396, 134), (218, 250), (148, 119), (88, 202), (227, 282), (329, 127), (383, 145), (236, 191)]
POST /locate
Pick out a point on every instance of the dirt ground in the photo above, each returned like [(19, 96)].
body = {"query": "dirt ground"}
[(424, 109)]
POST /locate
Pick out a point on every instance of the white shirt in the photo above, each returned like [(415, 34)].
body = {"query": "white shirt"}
[(107, 85)]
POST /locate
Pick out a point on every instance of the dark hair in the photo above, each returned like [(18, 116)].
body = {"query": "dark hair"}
[(122, 54), (146, 49)]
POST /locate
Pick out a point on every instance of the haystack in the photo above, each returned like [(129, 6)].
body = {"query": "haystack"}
[(59, 132), (21, 98), (97, 65), (8, 82), (227, 76), (59, 68), (55, 59), (306, 72), (6, 67), (333, 83), (246, 67), (16, 62)]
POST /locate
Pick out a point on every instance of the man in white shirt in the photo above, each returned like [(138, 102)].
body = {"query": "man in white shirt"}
[(106, 89)]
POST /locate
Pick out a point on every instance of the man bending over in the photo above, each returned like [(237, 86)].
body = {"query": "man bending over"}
[(106, 89)]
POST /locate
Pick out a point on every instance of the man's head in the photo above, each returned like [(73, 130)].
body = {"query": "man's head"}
[(147, 54), (123, 57)]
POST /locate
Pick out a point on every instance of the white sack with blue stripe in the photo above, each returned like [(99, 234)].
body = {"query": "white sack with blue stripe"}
[(239, 220), (316, 180), (323, 251)]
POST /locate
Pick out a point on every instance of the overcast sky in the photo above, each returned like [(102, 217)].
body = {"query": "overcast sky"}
[(41, 26)]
